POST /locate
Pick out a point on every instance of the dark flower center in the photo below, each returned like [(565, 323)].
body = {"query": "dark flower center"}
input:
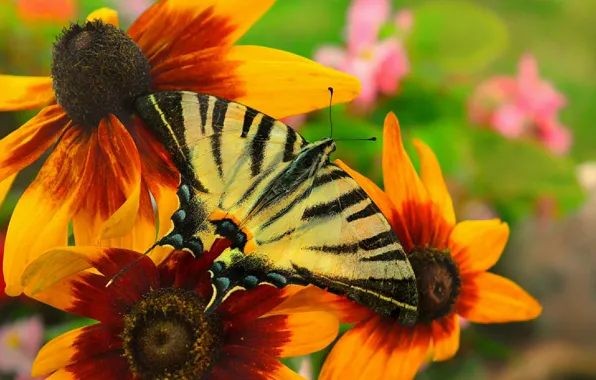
[(168, 336), (98, 70), (438, 282)]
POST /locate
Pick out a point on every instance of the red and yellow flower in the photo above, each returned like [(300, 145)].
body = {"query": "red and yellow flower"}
[(450, 261), (106, 166), (152, 325)]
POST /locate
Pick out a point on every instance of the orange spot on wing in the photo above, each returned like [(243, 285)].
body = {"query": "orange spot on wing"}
[(218, 214)]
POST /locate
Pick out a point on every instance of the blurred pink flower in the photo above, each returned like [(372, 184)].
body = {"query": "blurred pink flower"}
[(19, 343), (522, 106), (379, 64), (295, 121)]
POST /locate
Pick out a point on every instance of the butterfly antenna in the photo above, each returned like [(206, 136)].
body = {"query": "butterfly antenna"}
[(126, 268), (330, 103), (368, 139)]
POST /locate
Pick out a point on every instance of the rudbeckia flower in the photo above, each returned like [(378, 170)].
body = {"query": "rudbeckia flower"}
[(106, 166), (152, 324), (450, 261)]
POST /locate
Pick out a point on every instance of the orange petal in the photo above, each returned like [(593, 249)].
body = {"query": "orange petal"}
[(176, 27), (23, 146), (311, 298), (489, 298), (41, 217), (5, 187), (432, 178), (24, 93), (404, 187), (107, 15), (74, 346), (377, 349), (286, 335), (476, 245), (445, 334), (275, 82), (383, 203), (238, 362)]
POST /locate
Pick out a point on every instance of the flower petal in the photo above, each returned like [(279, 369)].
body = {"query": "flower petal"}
[(111, 365), (383, 203), (5, 186), (244, 305), (445, 333), (24, 93), (275, 82), (489, 298), (286, 335), (312, 298), (42, 214), (176, 27), (432, 178), (476, 245), (23, 146), (107, 15), (365, 18), (111, 212), (377, 349), (250, 364), (76, 345)]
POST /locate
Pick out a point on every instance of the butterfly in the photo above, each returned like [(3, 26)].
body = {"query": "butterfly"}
[(291, 215)]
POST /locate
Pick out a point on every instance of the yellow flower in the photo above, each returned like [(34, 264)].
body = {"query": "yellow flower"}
[(152, 324), (450, 261), (106, 166)]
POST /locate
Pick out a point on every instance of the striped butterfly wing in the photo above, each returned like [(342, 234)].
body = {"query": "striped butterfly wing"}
[(330, 234), (226, 153)]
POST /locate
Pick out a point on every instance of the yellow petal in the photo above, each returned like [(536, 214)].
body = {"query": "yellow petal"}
[(445, 334), (41, 217), (489, 298), (107, 15), (432, 178), (476, 245), (5, 187), (275, 82), (24, 93)]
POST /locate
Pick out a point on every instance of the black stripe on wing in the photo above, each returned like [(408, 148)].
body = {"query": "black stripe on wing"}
[(259, 143), (218, 118)]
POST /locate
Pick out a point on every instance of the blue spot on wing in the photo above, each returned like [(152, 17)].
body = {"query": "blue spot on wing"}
[(277, 279)]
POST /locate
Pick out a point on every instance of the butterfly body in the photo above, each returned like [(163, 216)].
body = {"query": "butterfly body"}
[(291, 215)]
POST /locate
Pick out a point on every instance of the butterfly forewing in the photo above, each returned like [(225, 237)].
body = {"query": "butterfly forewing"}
[(291, 215)]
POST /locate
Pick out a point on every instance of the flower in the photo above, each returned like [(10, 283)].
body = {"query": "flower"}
[(522, 106), (41, 10), (379, 64), (2, 282), (19, 342), (450, 262), (106, 167), (152, 324)]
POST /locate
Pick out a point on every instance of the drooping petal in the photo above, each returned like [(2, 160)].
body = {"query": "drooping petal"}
[(110, 209), (60, 278), (111, 365), (247, 363), (176, 27), (76, 345), (312, 298), (286, 335), (41, 217), (404, 187), (377, 349), (107, 15), (489, 298), (23, 146), (5, 186), (272, 81), (383, 203), (162, 178), (445, 333), (365, 18), (24, 93), (432, 178), (476, 245)]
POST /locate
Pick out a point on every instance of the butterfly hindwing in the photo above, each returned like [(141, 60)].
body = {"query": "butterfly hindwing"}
[(291, 216)]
